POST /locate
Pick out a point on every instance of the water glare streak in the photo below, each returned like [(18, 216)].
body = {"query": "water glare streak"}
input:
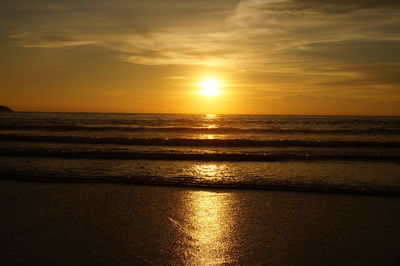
[(212, 219)]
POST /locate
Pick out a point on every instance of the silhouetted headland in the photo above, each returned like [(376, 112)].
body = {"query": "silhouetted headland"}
[(5, 109)]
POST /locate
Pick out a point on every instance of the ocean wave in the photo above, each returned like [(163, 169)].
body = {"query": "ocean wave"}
[(235, 157), (377, 190), (200, 130), (199, 142)]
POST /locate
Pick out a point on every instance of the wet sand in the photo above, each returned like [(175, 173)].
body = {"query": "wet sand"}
[(110, 224)]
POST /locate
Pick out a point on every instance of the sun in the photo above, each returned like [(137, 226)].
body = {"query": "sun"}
[(210, 87)]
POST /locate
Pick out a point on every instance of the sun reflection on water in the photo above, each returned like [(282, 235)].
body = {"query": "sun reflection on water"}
[(207, 170), (210, 116), (210, 171), (208, 136), (212, 123), (210, 220), (211, 217), (211, 126)]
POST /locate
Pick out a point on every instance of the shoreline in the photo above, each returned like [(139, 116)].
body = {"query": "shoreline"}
[(162, 182), (108, 224)]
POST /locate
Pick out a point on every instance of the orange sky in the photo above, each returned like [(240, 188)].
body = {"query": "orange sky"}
[(272, 56)]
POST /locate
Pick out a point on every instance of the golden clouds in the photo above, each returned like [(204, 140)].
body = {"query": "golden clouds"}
[(275, 49)]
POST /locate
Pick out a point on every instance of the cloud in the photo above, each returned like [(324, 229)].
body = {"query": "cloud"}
[(319, 40), (178, 47), (316, 6), (49, 40), (175, 77), (304, 44)]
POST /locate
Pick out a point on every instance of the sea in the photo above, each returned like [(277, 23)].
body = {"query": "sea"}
[(339, 154)]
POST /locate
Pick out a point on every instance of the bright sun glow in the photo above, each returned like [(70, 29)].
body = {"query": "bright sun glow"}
[(210, 87)]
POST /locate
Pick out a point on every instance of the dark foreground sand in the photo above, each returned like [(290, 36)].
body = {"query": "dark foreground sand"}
[(106, 224)]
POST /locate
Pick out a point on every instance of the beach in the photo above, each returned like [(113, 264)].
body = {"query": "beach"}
[(248, 132), (46, 223)]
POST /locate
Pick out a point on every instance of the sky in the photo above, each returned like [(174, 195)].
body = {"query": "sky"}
[(325, 57)]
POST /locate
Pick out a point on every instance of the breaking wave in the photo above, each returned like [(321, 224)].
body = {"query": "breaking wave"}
[(199, 142)]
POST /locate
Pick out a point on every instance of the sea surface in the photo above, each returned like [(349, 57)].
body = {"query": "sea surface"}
[(357, 154)]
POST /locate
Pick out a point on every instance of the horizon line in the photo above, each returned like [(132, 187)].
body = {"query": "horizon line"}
[(172, 113)]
